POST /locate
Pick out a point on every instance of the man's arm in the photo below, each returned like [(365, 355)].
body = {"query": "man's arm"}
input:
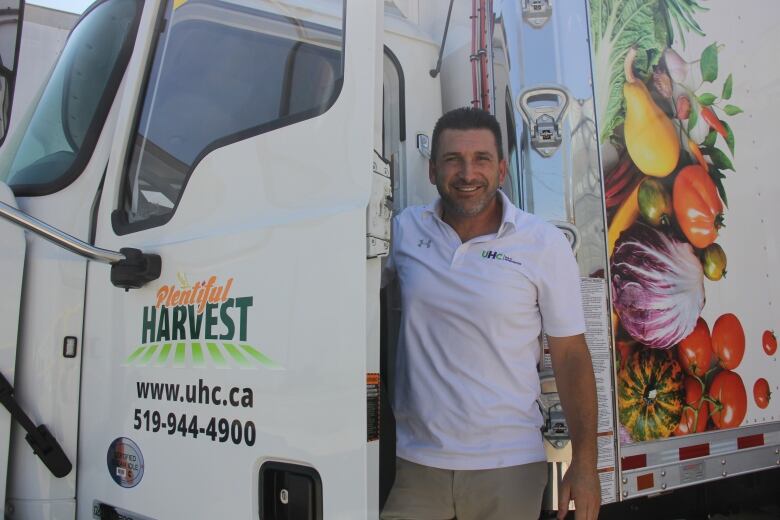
[(577, 389)]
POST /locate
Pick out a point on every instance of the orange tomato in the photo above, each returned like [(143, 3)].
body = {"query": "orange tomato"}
[(695, 350), (729, 397), (769, 342), (761, 393), (697, 206), (696, 410), (728, 341)]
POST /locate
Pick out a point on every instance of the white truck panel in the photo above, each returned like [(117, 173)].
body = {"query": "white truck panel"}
[(54, 294), (669, 460), (12, 266)]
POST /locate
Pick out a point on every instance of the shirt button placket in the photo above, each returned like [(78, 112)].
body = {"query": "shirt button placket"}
[(457, 257)]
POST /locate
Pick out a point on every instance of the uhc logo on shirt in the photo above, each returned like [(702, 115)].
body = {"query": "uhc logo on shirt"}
[(496, 255)]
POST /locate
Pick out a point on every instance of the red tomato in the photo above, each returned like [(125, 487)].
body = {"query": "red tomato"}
[(728, 341), (769, 341), (761, 393), (695, 351), (697, 206), (730, 400), (696, 410)]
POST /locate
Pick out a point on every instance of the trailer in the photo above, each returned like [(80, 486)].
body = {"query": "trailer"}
[(197, 206)]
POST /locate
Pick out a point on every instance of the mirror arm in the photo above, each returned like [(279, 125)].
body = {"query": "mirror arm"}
[(130, 268)]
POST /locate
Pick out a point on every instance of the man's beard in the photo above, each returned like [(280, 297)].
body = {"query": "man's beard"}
[(453, 206)]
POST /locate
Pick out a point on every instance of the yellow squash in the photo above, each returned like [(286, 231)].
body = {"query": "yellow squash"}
[(651, 138), (626, 214)]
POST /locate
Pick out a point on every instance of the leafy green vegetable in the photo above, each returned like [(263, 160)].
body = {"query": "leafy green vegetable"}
[(707, 99), (729, 136), (693, 118), (709, 63), (727, 86), (710, 139), (617, 26), (682, 12), (717, 177), (719, 158)]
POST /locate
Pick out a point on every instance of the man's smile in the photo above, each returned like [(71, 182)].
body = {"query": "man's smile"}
[(467, 188)]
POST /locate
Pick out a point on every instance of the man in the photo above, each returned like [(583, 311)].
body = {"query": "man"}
[(479, 278)]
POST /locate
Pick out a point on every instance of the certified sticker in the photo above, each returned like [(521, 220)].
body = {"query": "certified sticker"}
[(125, 462)]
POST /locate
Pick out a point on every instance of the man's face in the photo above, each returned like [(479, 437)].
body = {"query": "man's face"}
[(466, 170)]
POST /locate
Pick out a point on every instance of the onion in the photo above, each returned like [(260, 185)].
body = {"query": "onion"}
[(678, 68), (657, 286), (662, 83)]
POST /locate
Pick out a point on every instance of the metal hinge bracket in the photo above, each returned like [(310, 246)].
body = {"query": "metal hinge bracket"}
[(543, 109), (380, 209)]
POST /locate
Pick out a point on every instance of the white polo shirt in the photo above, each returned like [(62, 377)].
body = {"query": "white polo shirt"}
[(466, 379)]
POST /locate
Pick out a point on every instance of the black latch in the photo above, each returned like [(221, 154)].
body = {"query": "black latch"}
[(43, 443), (289, 492), (136, 270)]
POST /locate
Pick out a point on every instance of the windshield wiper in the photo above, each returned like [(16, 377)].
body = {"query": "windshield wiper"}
[(43, 443)]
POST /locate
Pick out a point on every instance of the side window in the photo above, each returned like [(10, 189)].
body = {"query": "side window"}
[(58, 137), (223, 72)]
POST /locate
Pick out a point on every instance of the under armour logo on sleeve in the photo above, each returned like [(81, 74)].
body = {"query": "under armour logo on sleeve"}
[(426, 243)]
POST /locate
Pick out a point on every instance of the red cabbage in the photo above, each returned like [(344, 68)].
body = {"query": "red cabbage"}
[(657, 286)]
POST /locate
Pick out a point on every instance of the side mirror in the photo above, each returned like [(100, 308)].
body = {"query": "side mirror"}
[(11, 12)]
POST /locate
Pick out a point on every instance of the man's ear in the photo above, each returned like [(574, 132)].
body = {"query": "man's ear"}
[(432, 171), (502, 169)]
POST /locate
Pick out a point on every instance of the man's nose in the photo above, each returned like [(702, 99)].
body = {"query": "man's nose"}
[(468, 171)]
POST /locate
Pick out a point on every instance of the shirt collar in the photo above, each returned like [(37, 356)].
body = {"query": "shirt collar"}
[(508, 213)]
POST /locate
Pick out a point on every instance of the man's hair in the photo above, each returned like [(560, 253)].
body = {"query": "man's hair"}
[(466, 118)]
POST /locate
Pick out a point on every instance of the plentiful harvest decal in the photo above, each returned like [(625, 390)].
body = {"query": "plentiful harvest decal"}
[(197, 325), (667, 143)]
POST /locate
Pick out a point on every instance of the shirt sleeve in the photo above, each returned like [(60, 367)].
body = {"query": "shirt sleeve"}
[(559, 296)]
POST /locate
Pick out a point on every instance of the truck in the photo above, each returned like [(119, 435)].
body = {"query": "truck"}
[(197, 206)]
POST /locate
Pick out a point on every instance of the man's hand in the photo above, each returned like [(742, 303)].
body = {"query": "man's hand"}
[(577, 389), (580, 484)]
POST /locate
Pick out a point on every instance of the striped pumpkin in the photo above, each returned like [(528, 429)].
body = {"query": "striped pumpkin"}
[(650, 394)]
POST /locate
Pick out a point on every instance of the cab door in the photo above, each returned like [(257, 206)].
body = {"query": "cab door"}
[(53, 161), (234, 386)]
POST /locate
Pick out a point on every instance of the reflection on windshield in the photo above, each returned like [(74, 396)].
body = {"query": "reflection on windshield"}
[(73, 104)]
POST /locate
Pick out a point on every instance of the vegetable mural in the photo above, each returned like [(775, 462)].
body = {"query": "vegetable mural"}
[(665, 122)]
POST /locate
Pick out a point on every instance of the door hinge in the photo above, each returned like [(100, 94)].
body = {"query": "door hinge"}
[(536, 13), (380, 209), (543, 109)]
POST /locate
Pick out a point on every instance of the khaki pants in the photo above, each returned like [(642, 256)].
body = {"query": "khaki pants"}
[(425, 493)]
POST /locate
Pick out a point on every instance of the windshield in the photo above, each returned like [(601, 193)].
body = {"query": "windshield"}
[(57, 139)]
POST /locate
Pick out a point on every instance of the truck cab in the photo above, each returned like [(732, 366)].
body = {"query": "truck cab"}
[(194, 325)]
